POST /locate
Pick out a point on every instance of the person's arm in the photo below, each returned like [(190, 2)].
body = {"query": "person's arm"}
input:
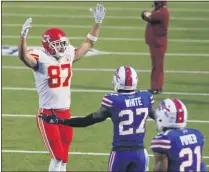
[(154, 16), (152, 114), (93, 34), (203, 167), (98, 116), (161, 162), (26, 58)]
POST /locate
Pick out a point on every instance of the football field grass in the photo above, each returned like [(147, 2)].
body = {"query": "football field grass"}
[(122, 35)]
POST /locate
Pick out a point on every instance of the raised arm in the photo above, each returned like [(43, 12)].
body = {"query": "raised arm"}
[(98, 116), (27, 59), (94, 32)]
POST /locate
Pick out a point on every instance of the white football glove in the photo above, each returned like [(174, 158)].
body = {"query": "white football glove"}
[(99, 13), (25, 27)]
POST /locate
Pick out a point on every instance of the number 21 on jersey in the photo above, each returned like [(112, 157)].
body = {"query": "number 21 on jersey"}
[(193, 156), (54, 73)]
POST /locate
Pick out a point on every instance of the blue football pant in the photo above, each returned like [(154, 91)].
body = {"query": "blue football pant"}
[(128, 161)]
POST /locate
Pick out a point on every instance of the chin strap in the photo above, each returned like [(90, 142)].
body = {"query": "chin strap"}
[(57, 54)]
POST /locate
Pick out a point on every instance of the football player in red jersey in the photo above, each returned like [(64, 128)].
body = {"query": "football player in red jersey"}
[(52, 69)]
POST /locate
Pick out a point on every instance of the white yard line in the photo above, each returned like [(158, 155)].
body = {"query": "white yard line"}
[(113, 70), (71, 153), (90, 16), (117, 39), (103, 91), (33, 116), (127, 54), (108, 8), (167, 54), (104, 27), (45, 152)]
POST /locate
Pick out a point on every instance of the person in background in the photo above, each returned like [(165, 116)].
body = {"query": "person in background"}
[(156, 38)]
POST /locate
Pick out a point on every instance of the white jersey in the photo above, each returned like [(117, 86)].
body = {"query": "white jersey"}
[(53, 78)]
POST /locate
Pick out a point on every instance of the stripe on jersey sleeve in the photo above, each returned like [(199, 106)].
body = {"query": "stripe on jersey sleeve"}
[(160, 144), (106, 102), (151, 99), (35, 56)]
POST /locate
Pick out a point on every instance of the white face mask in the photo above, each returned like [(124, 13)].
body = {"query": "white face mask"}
[(59, 47)]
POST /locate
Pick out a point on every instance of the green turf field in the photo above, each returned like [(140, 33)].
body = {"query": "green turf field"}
[(188, 51)]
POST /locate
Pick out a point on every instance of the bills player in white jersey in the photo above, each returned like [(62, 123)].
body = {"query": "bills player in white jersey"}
[(52, 69)]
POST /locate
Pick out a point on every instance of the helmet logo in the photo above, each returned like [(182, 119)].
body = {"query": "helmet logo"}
[(163, 107), (46, 38), (117, 76)]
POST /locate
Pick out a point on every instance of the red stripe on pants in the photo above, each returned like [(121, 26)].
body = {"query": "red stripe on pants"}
[(111, 161), (57, 138)]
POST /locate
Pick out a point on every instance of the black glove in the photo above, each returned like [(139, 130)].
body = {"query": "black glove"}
[(142, 14), (51, 119)]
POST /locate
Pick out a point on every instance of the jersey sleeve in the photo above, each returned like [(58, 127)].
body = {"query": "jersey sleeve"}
[(151, 99), (161, 144), (106, 101), (201, 137), (34, 53), (71, 51)]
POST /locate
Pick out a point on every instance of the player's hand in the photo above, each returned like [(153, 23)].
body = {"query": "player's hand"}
[(145, 14), (99, 14), (26, 27), (51, 119), (142, 14)]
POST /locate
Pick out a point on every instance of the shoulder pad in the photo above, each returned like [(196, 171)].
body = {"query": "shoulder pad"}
[(148, 94), (107, 101), (35, 52), (161, 143)]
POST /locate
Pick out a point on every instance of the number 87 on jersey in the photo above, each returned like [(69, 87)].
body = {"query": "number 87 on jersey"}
[(59, 75)]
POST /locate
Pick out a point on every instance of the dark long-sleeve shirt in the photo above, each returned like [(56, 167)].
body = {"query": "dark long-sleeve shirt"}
[(96, 117)]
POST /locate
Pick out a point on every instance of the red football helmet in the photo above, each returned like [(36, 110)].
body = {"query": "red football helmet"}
[(54, 40)]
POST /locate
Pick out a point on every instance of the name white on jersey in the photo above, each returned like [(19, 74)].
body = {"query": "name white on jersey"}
[(53, 78)]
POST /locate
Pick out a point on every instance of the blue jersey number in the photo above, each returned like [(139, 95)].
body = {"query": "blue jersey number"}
[(131, 114)]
